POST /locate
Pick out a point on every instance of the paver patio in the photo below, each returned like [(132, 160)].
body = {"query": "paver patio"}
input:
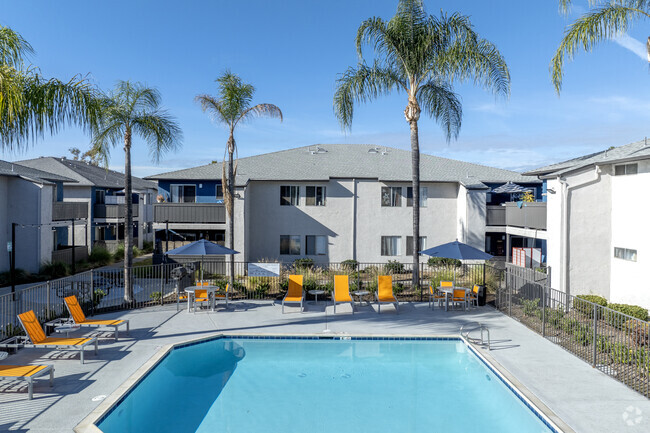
[(583, 397)]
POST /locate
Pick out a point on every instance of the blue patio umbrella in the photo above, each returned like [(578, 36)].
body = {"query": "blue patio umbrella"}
[(201, 248), (456, 250)]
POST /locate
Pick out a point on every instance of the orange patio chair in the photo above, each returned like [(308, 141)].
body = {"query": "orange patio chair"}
[(459, 296), (79, 317), (342, 291), (384, 293), (295, 293), (436, 295)]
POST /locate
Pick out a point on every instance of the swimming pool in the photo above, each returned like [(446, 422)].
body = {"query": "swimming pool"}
[(346, 385)]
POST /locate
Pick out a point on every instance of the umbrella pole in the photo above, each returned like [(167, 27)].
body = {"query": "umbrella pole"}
[(202, 270)]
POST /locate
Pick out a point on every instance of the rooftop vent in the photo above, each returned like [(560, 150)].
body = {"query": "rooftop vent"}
[(317, 150), (373, 150)]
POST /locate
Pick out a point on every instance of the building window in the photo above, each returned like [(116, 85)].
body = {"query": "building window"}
[(290, 244), (315, 196), (390, 245), (183, 193), (315, 245), (100, 196), (289, 195), (625, 254), (391, 196), (409, 244), (627, 169), (219, 194), (424, 194)]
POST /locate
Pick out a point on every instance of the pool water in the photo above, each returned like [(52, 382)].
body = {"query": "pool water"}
[(242, 385)]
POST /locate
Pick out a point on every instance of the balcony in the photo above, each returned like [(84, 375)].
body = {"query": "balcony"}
[(68, 210), (530, 215), (200, 213), (113, 210)]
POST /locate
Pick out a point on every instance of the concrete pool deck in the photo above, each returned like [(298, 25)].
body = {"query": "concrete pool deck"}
[(586, 399)]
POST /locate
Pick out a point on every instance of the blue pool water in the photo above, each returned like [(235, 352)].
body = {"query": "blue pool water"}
[(241, 385)]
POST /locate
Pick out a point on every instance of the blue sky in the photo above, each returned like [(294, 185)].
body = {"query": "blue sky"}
[(292, 52)]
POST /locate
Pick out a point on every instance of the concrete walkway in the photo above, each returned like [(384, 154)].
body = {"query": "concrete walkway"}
[(584, 398)]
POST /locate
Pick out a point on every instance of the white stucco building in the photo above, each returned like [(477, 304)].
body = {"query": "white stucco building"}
[(332, 202), (598, 241)]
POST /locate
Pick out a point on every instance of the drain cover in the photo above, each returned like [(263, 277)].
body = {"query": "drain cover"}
[(98, 397)]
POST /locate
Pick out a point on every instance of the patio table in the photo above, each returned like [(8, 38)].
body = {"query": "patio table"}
[(449, 291), (190, 292)]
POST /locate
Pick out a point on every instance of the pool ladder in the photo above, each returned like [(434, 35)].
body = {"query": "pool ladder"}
[(476, 326)]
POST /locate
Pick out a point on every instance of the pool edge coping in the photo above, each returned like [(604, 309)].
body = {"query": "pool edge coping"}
[(515, 385), (88, 424)]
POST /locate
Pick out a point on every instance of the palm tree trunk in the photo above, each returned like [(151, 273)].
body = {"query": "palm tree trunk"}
[(231, 205), (128, 220), (415, 164)]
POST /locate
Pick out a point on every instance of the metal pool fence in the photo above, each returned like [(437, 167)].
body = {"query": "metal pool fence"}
[(613, 342), (102, 290)]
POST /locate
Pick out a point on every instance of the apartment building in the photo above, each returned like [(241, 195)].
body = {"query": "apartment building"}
[(101, 191), (331, 202), (32, 206), (597, 234)]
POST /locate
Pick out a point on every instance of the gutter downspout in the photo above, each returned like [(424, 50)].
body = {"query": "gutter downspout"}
[(354, 219), (565, 228)]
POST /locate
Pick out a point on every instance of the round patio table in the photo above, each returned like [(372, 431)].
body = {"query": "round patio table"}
[(359, 294), (315, 293)]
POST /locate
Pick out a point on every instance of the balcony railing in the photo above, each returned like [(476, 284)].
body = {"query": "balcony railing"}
[(67, 210), (530, 215), (113, 210), (201, 213)]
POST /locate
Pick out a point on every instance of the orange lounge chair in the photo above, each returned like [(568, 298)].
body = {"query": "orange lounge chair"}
[(384, 293), (79, 317), (436, 295), (26, 372), (342, 291), (295, 293), (36, 337)]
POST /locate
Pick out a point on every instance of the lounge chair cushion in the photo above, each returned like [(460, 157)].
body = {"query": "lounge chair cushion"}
[(20, 370)]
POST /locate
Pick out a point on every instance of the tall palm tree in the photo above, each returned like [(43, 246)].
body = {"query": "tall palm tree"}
[(607, 19), (31, 105), (231, 107), (421, 55), (134, 109)]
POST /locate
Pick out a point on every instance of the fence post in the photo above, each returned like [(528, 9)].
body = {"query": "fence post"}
[(420, 274), (543, 311), (47, 308), (509, 286), (92, 291), (593, 364), (163, 270)]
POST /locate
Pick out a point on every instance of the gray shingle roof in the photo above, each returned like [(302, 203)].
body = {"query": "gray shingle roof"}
[(85, 174), (636, 150), (325, 161), (18, 170)]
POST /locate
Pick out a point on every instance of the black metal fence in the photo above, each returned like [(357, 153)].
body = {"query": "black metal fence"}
[(613, 342)]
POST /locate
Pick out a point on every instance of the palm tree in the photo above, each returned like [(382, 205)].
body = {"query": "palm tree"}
[(133, 109), (421, 55), (606, 20), (31, 105), (231, 107)]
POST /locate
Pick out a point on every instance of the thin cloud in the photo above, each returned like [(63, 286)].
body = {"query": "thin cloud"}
[(629, 43)]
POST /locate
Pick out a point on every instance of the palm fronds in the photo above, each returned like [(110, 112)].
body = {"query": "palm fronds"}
[(602, 23)]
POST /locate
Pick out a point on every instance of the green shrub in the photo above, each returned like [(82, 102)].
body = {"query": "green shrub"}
[(631, 310), (442, 261), (349, 265), (155, 296), (118, 255), (304, 263), (147, 247), (582, 334), (394, 267), (137, 252), (555, 317), (398, 288), (531, 307), (587, 308), (22, 276), (54, 270), (100, 256)]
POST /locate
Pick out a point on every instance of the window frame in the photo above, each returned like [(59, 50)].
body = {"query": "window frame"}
[(628, 169), (422, 245), (315, 189), (316, 238), (294, 199), (291, 249), (423, 197), (394, 196), (184, 185), (397, 241), (217, 197), (627, 254)]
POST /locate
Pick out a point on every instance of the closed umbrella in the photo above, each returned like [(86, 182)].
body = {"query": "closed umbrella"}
[(456, 250)]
